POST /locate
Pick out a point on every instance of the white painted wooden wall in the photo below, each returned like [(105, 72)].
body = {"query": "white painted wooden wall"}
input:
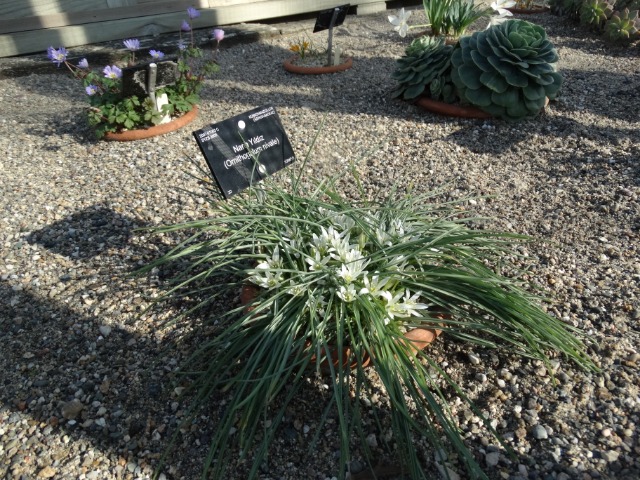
[(28, 26)]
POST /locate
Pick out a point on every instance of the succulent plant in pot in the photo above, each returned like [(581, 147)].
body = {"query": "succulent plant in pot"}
[(352, 277), (425, 65), (507, 70)]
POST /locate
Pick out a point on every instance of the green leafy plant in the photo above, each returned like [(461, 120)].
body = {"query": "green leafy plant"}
[(427, 61), (450, 18), (623, 26), (463, 13), (570, 8), (595, 12), (507, 70), (303, 48), (113, 111), (341, 283)]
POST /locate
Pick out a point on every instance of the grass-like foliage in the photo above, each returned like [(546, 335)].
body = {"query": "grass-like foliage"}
[(339, 284)]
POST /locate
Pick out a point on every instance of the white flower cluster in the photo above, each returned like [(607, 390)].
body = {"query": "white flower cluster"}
[(341, 257)]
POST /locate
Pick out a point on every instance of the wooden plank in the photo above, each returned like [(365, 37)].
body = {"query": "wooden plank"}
[(101, 15), (38, 40), (32, 8)]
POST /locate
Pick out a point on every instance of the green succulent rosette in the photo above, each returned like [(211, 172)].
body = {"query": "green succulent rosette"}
[(426, 60), (623, 26), (507, 70)]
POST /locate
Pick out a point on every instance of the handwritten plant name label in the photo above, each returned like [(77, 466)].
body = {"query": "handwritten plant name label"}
[(245, 149)]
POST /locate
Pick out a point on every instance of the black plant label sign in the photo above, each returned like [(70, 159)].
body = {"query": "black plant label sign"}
[(325, 18), (245, 149)]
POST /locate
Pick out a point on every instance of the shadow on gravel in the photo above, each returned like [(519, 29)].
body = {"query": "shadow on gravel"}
[(86, 233)]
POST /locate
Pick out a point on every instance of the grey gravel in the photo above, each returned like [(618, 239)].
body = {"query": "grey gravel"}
[(72, 327)]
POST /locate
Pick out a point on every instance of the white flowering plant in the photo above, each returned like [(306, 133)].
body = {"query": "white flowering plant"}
[(113, 110), (337, 285), (451, 18)]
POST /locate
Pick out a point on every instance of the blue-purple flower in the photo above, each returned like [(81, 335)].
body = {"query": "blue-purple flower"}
[(156, 54), (83, 63), (91, 89), (57, 56), (132, 44), (182, 45), (193, 13), (112, 71), (218, 34), (185, 26)]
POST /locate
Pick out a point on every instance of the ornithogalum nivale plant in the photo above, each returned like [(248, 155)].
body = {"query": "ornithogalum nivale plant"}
[(451, 18), (340, 284), (114, 110)]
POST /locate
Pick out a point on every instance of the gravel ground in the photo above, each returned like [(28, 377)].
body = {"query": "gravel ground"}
[(87, 390)]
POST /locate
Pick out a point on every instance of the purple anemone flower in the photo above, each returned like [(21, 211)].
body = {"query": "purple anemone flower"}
[(182, 45), (132, 44), (193, 13), (218, 34), (185, 26), (57, 56), (112, 72), (91, 89), (156, 54), (83, 63)]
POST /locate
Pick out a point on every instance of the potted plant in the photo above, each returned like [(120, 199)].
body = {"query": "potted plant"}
[(341, 284), (310, 61), (117, 114), (507, 71), (449, 18)]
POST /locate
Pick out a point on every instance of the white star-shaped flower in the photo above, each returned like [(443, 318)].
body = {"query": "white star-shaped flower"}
[(400, 22), (501, 6)]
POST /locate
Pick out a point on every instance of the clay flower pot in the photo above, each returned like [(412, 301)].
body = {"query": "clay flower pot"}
[(418, 338), (139, 134), (450, 110), (291, 66)]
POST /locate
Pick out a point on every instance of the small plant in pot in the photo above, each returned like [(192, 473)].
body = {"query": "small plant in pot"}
[(341, 284), (450, 19), (507, 71), (114, 110)]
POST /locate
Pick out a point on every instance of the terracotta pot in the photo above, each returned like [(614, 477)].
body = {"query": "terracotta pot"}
[(529, 11), (291, 67), (418, 338), (450, 110), (139, 134)]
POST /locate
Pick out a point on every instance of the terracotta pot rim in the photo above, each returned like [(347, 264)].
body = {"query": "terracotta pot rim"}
[(450, 110), (529, 11), (417, 338), (290, 67), (141, 133)]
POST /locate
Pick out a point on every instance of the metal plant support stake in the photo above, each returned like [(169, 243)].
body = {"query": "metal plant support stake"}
[(329, 49), (152, 74)]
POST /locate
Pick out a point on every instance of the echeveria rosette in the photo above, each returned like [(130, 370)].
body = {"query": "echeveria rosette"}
[(507, 70), (427, 60), (623, 26)]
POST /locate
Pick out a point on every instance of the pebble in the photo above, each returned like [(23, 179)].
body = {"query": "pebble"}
[(47, 472), (474, 359), (539, 432), (70, 410), (105, 330), (492, 459)]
